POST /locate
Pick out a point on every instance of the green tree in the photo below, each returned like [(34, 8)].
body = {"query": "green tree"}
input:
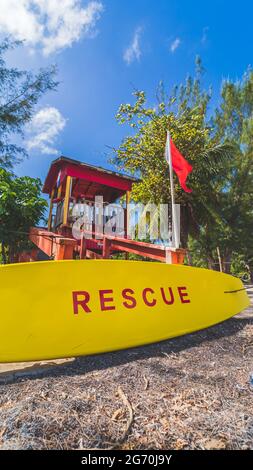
[(21, 207), (184, 113), (233, 123), (20, 91)]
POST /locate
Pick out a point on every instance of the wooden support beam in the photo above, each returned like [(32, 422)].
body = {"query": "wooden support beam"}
[(106, 248), (59, 191), (75, 185), (66, 200), (83, 248), (148, 250), (128, 194), (141, 251), (49, 223)]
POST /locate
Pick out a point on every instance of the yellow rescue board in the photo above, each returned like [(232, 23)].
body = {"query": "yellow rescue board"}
[(59, 309)]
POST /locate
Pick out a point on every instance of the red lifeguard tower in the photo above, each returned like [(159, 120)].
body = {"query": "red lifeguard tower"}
[(70, 181)]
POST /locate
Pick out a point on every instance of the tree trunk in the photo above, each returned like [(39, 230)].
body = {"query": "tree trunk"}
[(226, 263), (184, 226), (189, 258), (13, 256), (3, 254)]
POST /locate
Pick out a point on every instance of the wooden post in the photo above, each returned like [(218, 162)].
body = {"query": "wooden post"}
[(106, 248), (49, 223), (66, 200), (83, 247)]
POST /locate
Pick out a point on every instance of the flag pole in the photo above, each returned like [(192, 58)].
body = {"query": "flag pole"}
[(174, 215)]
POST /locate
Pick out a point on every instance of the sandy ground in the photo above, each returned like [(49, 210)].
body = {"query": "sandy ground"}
[(191, 392), (13, 370)]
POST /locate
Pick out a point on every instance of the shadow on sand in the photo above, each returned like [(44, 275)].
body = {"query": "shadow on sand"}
[(86, 364)]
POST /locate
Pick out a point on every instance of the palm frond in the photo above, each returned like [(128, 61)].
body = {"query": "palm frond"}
[(219, 155)]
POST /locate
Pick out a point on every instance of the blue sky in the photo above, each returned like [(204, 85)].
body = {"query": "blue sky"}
[(103, 49)]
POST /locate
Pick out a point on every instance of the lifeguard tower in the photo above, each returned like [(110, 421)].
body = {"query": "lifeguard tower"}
[(70, 182)]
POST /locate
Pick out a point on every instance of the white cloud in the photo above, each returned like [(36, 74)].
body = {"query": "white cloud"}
[(133, 52), (49, 24), (175, 44), (44, 130)]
